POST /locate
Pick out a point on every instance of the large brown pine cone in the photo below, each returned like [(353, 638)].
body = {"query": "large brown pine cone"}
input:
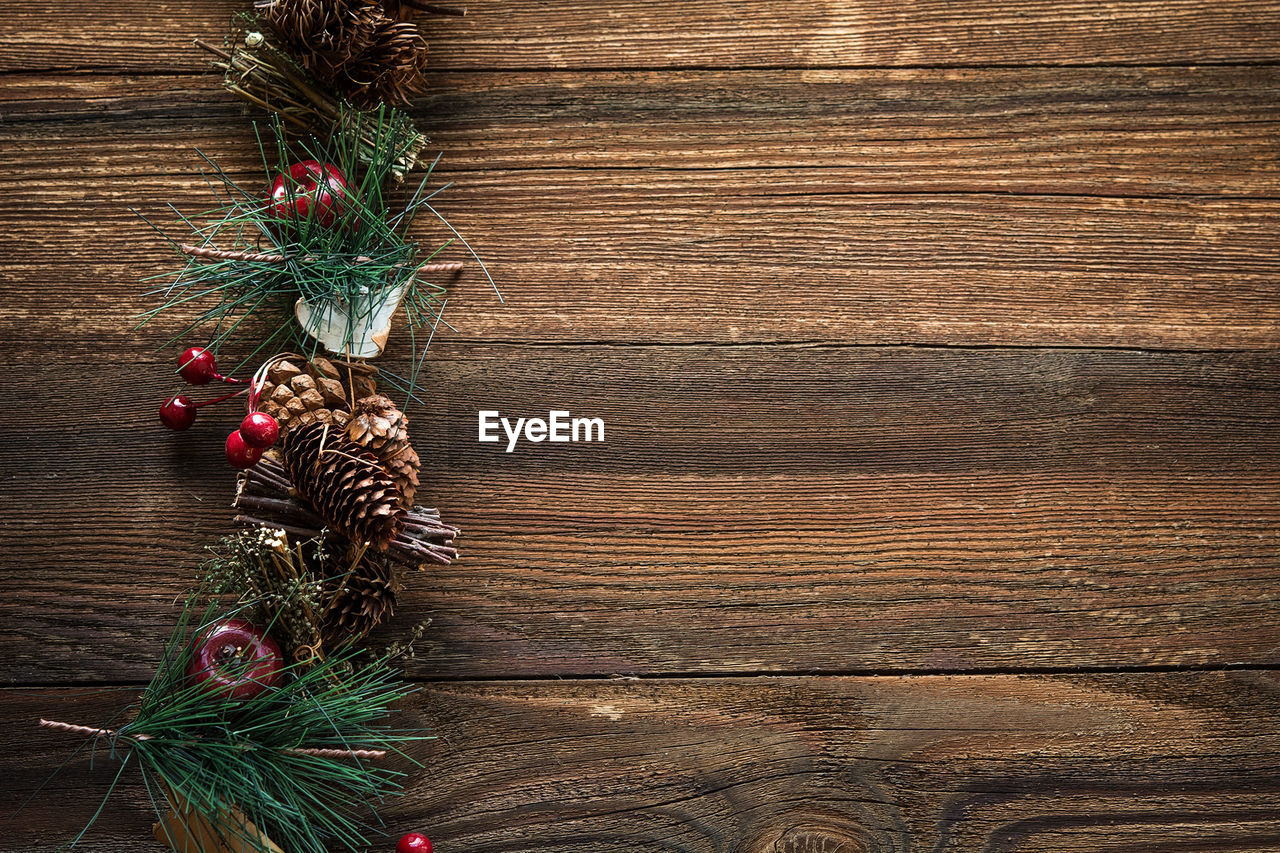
[(345, 483)]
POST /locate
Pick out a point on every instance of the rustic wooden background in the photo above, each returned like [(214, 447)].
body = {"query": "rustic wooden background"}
[(937, 344)]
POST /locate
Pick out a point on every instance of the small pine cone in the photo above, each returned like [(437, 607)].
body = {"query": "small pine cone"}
[(392, 66), (365, 600), (356, 46), (345, 484), (323, 34), (376, 424), (403, 468), (297, 396)]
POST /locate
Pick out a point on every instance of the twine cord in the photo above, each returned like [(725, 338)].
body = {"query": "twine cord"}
[(89, 731), (272, 258)]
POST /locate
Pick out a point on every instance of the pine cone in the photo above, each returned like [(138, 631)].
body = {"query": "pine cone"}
[(323, 34), (314, 393), (403, 468), (359, 47), (391, 69), (345, 484), (366, 599), (376, 424)]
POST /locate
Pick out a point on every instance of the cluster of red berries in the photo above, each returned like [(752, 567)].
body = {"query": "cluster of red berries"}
[(308, 190), (257, 431)]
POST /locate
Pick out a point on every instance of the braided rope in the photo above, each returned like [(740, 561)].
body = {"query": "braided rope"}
[(317, 752), (271, 258), (341, 753), (230, 255)]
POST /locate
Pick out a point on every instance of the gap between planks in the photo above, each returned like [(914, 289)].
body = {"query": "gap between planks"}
[(972, 672)]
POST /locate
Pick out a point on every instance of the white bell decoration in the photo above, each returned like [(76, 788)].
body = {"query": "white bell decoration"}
[(329, 323)]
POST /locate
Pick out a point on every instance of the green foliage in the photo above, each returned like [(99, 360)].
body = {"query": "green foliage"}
[(352, 263), (218, 754)]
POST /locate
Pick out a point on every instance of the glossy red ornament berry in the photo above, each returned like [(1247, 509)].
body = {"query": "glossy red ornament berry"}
[(197, 366), (240, 453), (233, 660), (310, 189), (258, 429), (178, 412), (414, 842)]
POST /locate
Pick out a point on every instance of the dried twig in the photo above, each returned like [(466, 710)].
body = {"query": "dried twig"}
[(262, 75), (267, 500)]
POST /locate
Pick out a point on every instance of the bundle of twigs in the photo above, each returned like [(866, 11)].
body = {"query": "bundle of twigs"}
[(266, 497), (259, 72)]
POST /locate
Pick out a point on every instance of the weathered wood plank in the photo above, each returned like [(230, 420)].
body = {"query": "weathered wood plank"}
[(1104, 131), (78, 35), (801, 252), (723, 257), (752, 509), (1156, 762)]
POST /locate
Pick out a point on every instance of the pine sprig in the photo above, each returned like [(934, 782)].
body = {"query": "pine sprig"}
[(243, 263), (233, 764)]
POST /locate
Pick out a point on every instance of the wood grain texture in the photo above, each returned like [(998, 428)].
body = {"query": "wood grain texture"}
[(752, 509), (1155, 762), (1091, 131), (808, 241), (718, 257), (590, 34), (713, 222)]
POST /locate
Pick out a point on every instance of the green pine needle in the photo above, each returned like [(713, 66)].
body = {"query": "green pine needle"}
[(218, 755), (350, 263)]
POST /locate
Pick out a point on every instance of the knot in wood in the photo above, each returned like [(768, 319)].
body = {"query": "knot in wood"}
[(815, 839)]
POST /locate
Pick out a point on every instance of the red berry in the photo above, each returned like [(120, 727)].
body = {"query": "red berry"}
[(258, 429), (233, 660), (310, 189), (178, 412), (197, 366), (240, 453), (414, 842)]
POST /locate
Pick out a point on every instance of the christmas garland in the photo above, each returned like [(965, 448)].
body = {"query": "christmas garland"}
[(266, 725)]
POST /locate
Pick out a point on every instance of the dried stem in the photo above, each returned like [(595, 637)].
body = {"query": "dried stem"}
[(437, 8), (281, 507), (262, 75), (292, 530)]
